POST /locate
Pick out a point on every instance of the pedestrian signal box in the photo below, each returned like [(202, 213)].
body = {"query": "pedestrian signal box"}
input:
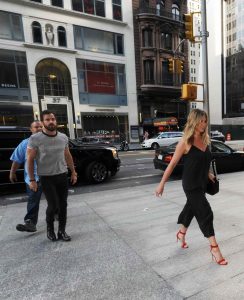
[(189, 92)]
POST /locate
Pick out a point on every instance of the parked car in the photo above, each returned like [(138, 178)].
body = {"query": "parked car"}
[(94, 162), (227, 159), (217, 135), (91, 140), (162, 139), (10, 137)]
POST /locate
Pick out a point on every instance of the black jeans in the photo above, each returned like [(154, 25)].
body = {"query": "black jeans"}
[(33, 203), (197, 206), (55, 189)]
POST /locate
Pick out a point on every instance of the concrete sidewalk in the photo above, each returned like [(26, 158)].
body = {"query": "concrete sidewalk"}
[(123, 247)]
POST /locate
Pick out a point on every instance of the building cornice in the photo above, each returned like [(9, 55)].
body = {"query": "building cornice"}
[(66, 12), (43, 47)]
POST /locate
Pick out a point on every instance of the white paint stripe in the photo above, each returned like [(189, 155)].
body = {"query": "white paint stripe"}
[(15, 198), (145, 158), (139, 176)]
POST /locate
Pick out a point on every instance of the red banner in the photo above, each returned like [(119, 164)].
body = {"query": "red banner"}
[(100, 82)]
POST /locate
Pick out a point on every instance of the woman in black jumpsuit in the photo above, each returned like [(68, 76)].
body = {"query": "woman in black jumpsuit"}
[(197, 157)]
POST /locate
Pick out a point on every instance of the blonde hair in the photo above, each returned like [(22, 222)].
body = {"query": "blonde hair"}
[(193, 120)]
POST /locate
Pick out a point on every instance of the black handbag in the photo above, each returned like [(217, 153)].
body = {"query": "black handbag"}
[(213, 187)]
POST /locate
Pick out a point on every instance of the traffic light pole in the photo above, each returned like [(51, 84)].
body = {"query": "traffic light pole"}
[(204, 35)]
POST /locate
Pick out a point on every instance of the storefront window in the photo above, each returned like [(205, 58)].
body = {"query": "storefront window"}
[(98, 41), (105, 127), (13, 71), (11, 26), (101, 78), (16, 115)]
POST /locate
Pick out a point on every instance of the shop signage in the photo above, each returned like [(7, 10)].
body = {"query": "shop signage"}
[(165, 121), (8, 85), (148, 121), (134, 131)]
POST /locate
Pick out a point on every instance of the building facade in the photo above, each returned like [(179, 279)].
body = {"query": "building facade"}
[(158, 27), (195, 50), (225, 53), (194, 53), (73, 57)]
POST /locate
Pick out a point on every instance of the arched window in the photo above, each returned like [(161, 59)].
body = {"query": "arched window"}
[(37, 32), (175, 12), (62, 37)]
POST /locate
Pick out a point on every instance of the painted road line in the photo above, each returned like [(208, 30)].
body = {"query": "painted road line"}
[(146, 158), (139, 176)]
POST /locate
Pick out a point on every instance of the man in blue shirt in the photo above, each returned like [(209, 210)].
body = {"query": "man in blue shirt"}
[(19, 157)]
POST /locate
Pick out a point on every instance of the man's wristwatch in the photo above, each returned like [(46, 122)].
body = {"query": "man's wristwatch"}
[(31, 180)]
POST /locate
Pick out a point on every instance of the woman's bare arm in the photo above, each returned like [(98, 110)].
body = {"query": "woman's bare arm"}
[(179, 151)]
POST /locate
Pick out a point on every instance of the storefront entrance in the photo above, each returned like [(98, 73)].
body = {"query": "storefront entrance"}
[(109, 127), (62, 107), (55, 93)]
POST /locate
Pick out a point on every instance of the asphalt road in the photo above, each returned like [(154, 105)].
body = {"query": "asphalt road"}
[(136, 169)]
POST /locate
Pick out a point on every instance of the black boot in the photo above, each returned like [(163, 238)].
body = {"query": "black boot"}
[(50, 233), (29, 226), (62, 235)]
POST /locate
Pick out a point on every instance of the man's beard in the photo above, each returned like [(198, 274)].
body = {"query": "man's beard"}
[(50, 127)]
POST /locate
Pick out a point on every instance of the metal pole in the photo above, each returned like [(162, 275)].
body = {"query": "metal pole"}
[(205, 35)]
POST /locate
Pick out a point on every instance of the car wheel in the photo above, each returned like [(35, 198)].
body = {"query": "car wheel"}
[(155, 146), (96, 172)]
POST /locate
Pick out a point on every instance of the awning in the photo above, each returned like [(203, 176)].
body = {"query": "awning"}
[(165, 121)]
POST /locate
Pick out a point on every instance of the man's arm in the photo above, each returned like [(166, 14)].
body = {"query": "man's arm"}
[(12, 174), (70, 164), (31, 155), (18, 158)]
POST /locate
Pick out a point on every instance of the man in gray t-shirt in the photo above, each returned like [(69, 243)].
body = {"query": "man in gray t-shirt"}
[(50, 149)]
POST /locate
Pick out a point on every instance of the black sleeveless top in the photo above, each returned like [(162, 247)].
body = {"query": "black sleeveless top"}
[(196, 168)]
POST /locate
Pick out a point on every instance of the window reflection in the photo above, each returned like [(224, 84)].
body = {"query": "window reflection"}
[(234, 37), (93, 7)]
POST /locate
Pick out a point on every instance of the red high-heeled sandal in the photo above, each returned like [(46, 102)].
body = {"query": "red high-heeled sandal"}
[(183, 244), (221, 262)]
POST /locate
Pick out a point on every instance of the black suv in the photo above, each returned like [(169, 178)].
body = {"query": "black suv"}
[(93, 162)]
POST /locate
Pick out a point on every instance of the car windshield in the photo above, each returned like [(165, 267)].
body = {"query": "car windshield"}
[(220, 148)]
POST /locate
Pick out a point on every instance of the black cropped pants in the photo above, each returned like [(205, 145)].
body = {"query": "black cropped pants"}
[(197, 206), (55, 189)]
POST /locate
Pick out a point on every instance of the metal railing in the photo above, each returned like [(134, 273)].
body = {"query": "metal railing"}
[(143, 9)]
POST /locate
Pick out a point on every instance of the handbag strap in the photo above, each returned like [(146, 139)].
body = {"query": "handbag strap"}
[(213, 163)]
